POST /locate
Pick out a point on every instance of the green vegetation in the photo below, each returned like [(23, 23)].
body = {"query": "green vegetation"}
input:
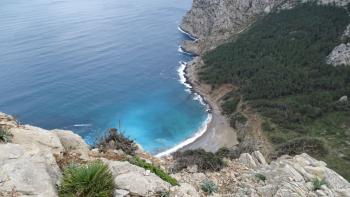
[(205, 161), (90, 180), (156, 170), (237, 118), (116, 141), (5, 135), (209, 187), (260, 177), (279, 65), (317, 183)]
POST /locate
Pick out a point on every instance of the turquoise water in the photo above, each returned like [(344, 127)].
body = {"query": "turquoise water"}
[(88, 65)]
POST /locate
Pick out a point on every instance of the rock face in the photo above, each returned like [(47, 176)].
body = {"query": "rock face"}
[(294, 176), (27, 165), (214, 21), (340, 55), (73, 143), (136, 180), (25, 174)]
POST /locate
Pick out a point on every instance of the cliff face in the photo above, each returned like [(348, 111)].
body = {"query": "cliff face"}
[(214, 21)]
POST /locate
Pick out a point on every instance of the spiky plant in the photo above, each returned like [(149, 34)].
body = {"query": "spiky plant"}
[(209, 187), (5, 135), (90, 180)]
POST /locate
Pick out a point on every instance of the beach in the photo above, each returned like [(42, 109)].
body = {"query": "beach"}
[(219, 133)]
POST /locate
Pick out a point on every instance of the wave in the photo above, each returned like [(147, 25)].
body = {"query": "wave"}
[(190, 140), (82, 125), (186, 33), (181, 50)]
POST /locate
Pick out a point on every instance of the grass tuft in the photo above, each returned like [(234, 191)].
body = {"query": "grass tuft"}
[(156, 170), (5, 135), (90, 180), (209, 187)]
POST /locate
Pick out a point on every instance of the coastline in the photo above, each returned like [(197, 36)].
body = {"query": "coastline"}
[(219, 133), (215, 132)]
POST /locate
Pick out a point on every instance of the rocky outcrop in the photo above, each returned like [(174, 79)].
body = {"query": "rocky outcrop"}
[(73, 143), (287, 176), (28, 167), (136, 180), (215, 21), (24, 173), (340, 55)]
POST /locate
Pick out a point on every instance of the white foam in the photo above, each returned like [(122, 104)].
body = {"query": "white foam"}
[(82, 125), (181, 71), (190, 140), (188, 34), (183, 80), (181, 50)]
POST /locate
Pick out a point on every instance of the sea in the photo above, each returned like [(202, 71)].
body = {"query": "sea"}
[(91, 65)]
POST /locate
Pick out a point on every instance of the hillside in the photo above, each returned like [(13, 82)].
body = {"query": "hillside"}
[(281, 65)]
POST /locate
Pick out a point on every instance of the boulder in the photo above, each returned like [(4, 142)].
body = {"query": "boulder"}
[(121, 193), (22, 174), (343, 99), (73, 143), (184, 190), (135, 179), (36, 138)]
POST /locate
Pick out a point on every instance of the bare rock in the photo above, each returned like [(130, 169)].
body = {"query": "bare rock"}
[(340, 55), (24, 174), (135, 179), (184, 190), (247, 160), (121, 193), (73, 143), (343, 99)]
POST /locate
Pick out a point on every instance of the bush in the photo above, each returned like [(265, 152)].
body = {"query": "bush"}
[(229, 106), (237, 118), (90, 180), (209, 187), (156, 170), (310, 145), (206, 161), (260, 177), (317, 183), (247, 146), (116, 140), (5, 135)]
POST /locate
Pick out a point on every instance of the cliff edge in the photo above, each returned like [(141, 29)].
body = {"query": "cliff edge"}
[(31, 165)]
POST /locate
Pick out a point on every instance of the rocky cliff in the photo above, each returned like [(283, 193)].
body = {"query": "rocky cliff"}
[(215, 21), (30, 166)]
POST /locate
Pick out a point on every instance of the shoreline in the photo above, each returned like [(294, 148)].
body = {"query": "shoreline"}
[(215, 131), (219, 133)]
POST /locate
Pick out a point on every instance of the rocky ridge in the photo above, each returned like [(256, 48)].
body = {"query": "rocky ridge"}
[(215, 21), (29, 166)]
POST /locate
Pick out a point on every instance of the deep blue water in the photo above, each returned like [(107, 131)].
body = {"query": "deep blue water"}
[(87, 65)]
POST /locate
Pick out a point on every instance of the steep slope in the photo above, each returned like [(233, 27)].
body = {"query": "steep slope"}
[(280, 65)]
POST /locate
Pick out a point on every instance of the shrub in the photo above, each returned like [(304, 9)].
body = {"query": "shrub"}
[(260, 177), (90, 180), (317, 183), (206, 161), (237, 118), (5, 135), (116, 140), (229, 106), (209, 187), (156, 170), (246, 146), (310, 145)]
